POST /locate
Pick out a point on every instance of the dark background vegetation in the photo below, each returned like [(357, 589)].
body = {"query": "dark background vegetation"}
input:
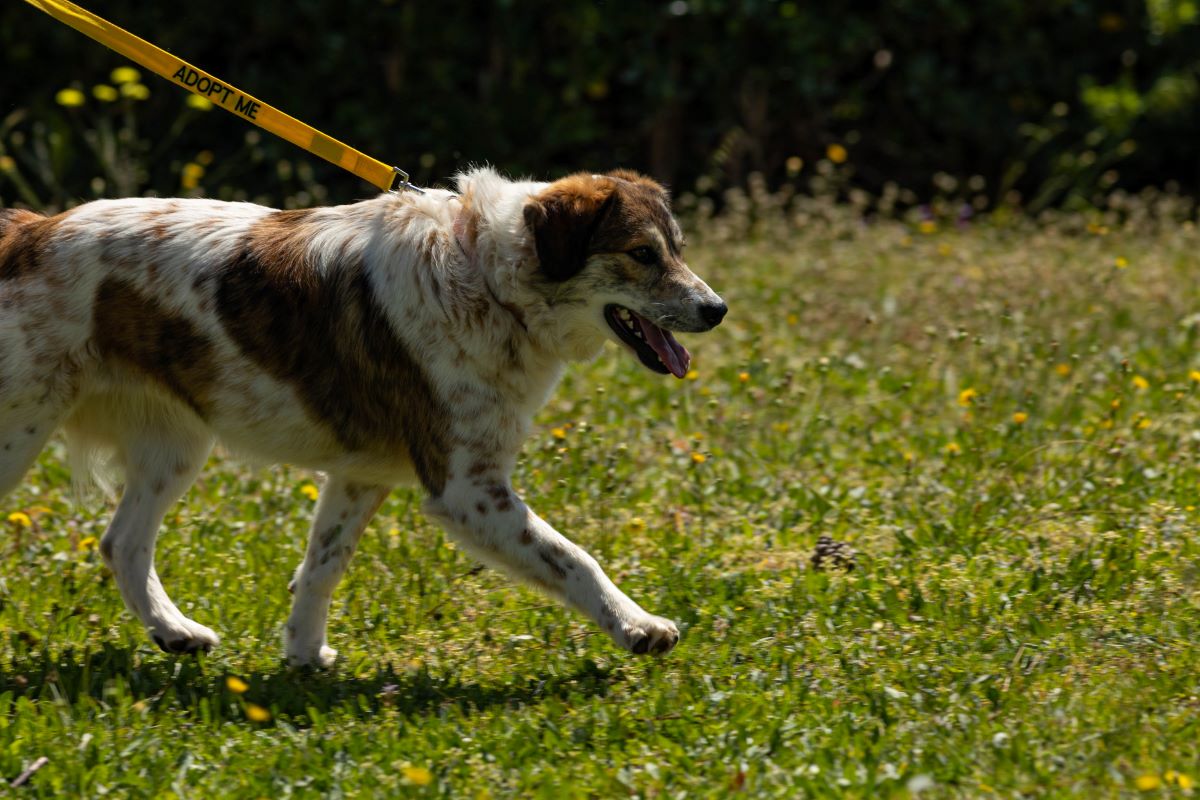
[(1045, 103)]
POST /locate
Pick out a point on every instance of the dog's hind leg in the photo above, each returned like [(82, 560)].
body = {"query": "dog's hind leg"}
[(159, 465), (19, 446), (343, 512)]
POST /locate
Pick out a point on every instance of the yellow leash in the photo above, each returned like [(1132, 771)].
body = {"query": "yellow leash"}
[(233, 100)]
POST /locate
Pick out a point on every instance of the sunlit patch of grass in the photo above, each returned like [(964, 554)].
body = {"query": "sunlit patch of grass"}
[(1000, 421)]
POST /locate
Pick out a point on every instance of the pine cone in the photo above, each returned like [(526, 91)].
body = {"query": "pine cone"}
[(829, 553)]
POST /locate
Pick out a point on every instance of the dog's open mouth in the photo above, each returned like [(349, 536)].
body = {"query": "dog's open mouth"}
[(656, 347)]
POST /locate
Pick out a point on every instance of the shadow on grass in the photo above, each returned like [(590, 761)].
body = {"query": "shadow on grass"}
[(113, 674)]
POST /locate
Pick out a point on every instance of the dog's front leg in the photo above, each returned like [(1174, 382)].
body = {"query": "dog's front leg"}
[(343, 512), (484, 514)]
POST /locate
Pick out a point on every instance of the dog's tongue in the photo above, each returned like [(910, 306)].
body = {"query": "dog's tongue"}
[(674, 355)]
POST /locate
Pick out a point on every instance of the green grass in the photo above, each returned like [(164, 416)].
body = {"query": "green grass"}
[(1024, 619)]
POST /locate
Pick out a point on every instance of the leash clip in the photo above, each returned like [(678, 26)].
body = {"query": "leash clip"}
[(400, 183)]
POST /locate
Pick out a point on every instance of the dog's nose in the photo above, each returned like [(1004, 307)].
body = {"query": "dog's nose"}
[(713, 313)]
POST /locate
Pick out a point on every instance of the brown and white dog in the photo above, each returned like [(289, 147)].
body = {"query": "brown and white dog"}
[(403, 338)]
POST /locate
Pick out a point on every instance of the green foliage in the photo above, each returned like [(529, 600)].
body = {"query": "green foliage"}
[(1000, 418), (1031, 97)]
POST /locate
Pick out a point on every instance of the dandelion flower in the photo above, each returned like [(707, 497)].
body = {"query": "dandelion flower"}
[(1140, 383), (694, 375), (310, 491), (1120, 262), (1063, 369), (1144, 423), (123, 75), (699, 458), (952, 449), (104, 93), (1194, 376), (559, 433), (236, 685), (1019, 418), (135, 91), (7, 164), (1147, 783), (199, 103), (87, 543), (257, 713), (744, 377), (20, 518), (793, 319), (637, 524), (418, 776), (836, 153), (966, 398), (927, 226), (190, 175), (69, 98)]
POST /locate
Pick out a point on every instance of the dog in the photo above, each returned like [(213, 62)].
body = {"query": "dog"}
[(409, 338)]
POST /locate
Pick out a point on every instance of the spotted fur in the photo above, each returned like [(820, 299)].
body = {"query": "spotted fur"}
[(404, 339)]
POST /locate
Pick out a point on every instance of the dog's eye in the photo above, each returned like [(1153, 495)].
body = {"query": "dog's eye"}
[(643, 255)]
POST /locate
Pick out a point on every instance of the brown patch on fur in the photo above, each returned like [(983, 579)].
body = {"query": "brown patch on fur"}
[(553, 564), (482, 508), (584, 214), (323, 332), (526, 536), (23, 240), (329, 536), (480, 468), (162, 344)]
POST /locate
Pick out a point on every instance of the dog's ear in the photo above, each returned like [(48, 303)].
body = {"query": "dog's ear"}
[(563, 219)]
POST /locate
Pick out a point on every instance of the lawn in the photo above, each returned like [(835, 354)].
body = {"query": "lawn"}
[(1001, 419)]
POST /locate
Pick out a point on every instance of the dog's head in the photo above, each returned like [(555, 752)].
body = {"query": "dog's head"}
[(610, 256)]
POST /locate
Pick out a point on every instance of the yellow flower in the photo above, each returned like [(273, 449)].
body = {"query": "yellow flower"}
[(782, 427), (1063, 370), (1179, 779), (122, 75), (236, 685), (693, 375), (20, 518), (908, 457), (257, 713), (559, 433), (310, 491), (744, 377), (699, 458), (1194, 376), (637, 524), (1121, 262), (87, 543), (927, 226), (70, 98), (418, 776), (199, 103), (104, 93), (1143, 423), (793, 319), (1147, 783), (966, 398), (952, 449), (1140, 383), (136, 91), (1019, 418), (836, 153), (7, 164)]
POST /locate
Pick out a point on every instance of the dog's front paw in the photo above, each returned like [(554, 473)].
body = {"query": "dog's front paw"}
[(307, 651), (649, 634), (184, 637)]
